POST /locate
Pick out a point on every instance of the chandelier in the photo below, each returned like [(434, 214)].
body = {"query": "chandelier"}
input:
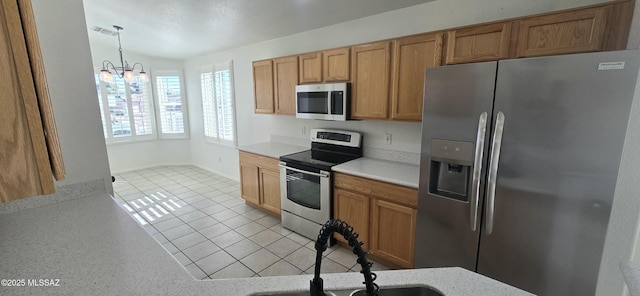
[(124, 70)]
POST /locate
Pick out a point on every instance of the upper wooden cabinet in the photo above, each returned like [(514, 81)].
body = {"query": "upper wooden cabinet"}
[(561, 33), (310, 67), (335, 64), (370, 69), (478, 43), (411, 56), (326, 66), (263, 86), (285, 75), (387, 77)]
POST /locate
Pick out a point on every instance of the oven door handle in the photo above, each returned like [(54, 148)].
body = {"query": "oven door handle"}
[(322, 175)]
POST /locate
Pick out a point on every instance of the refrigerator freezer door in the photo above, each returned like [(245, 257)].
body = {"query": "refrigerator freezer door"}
[(564, 128), (456, 97)]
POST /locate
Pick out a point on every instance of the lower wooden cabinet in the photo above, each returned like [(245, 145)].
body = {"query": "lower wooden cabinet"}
[(384, 214), (354, 209), (250, 183), (393, 228), (260, 182), (270, 190)]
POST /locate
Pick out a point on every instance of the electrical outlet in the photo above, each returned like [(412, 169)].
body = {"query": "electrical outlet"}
[(304, 130), (387, 138)]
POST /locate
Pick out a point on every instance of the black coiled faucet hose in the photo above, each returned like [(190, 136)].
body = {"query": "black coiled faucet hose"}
[(335, 225)]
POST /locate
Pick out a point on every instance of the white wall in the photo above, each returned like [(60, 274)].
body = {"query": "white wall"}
[(67, 60), (137, 155)]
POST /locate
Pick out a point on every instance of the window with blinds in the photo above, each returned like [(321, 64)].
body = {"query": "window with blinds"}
[(216, 82), (171, 105), (126, 110)]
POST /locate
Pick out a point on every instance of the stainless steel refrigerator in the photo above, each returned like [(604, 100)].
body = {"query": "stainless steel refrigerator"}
[(519, 166)]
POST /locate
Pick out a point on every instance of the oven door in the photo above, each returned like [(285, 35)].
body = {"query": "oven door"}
[(305, 191)]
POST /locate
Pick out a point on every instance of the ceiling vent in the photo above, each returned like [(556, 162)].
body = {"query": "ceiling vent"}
[(104, 31)]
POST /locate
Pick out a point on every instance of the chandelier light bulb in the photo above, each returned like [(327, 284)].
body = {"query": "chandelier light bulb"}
[(143, 77), (105, 75), (129, 77)]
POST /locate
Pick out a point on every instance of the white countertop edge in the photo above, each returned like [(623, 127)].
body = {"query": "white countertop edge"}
[(399, 173), (272, 149), (450, 281)]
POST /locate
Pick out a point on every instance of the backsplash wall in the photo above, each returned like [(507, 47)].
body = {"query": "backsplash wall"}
[(405, 136)]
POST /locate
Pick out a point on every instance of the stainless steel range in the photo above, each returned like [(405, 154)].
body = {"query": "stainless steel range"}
[(306, 182)]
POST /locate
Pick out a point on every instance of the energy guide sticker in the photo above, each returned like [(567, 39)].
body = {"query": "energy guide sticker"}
[(611, 66)]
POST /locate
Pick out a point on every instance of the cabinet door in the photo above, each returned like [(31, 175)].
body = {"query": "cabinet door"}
[(561, 33), (310, 67), (263, 86), (335, 64), (285, 75), (370, 68), (270, 190), (250, 183), (352, 208), (411, 56), (478, 43), (393, 229), (25, 163)]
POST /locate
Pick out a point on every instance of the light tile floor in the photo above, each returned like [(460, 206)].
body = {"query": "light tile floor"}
[(200, 219)]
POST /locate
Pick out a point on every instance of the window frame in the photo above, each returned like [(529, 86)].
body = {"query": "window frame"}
[(183, 99), (213, 68), (107, 125)]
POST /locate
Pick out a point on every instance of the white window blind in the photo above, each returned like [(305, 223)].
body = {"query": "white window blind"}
[(216, 82), (141, 107), (172, 115), (126, 110)]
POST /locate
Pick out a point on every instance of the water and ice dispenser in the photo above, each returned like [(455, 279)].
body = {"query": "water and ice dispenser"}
[(451, 167)]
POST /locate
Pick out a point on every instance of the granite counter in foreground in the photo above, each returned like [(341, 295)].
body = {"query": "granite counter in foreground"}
[(95, 248)]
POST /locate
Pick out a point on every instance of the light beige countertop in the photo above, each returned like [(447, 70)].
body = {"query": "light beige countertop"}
[(272, 149), (382, 170), (93, 247)]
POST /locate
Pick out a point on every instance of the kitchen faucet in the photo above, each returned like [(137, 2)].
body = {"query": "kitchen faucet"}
[(339, 226)]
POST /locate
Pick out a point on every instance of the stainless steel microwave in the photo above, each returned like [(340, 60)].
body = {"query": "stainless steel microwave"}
[(329, 101)]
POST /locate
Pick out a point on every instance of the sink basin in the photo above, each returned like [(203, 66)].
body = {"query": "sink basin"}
[(398, 291)]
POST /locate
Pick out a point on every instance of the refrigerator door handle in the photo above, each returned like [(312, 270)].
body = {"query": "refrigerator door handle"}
[(493, 170), (477, 169)]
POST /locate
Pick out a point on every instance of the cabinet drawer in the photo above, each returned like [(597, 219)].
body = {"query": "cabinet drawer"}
[(381, 190), (259, 160)]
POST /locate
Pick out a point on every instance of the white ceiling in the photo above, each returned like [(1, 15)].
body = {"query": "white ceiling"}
[(185, 28)]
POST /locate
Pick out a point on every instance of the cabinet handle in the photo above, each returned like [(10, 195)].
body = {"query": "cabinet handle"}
[(493, 170), (322, 174), (477, 169)]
